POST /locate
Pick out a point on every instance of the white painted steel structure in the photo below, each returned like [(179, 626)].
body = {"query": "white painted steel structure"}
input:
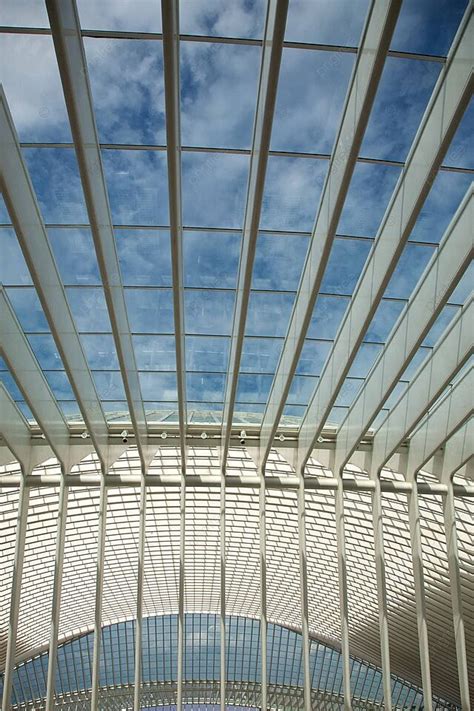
[(357, 532)]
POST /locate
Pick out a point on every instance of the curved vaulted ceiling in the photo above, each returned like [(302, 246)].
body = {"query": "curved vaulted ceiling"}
[(236, 321)]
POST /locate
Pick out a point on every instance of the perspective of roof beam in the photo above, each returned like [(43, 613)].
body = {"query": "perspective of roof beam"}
[(458, 450), (365, 79), (441, 422), (431, 378), (445, 109), (66, 29), (17, 434), (26, 217), (170, 18), (267, 90), (431, 293), (21, 361)]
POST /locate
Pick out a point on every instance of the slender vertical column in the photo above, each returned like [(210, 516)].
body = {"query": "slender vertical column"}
[(179, 694), (343, 595), (304, 589), (417, 559), (140, 581), (456, 597), (223, 647), (57, 587), (99, 587), (263, 586), (377, 521), (22, 521)]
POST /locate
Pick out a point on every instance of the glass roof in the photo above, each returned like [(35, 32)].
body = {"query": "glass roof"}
[(202, 662), (218, 85)]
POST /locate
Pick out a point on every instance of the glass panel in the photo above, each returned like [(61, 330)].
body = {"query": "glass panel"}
[(292, 190), (115, 411), (75, 256), (346, 261), (207, 353), (348, 392), (278, 262), (89, 309), (260, 355), (225, 18), (161, 412), (27, 308), (145, 257), (208, 312), (214, 189), (155, 352), (313, 357), (364, 360), (109, 385), (460, 153), (27, 13), (268, 313), (409, 270), (32, 85), (100, 351), (417, 360), (327, 316), (211, 259), (55, 176), (13, 269), (44, 348), (127, 86), (311, 92), (464, 287), (137, 184), (427, 27), (205, 387), (384, 320), (440, 325), (158, 386), (339, 22), (253, 388), (218, 94), (442, 202), (59, 384), (402, 96), (124, 15), (150, 310), (10, 385), (302, 388), (369, 193)]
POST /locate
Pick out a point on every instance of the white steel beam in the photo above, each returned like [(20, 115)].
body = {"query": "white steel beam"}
[(442, 116), (303, 564), (16, 350), (367, 72), (263, 585), (267, 91), (56, 600), (420, 598), (246, 482), (170, 18), (433, 289), (223, 633), (441, 422), (140, 585), (66, 31), (22, 519), (455, 576), (432, 377), (99, 588), (25, 214), (16, 433)]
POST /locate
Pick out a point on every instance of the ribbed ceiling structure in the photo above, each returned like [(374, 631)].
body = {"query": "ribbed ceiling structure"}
[(236, 354)]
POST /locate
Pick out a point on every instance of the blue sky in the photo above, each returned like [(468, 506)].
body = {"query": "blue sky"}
[(218, 97)]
